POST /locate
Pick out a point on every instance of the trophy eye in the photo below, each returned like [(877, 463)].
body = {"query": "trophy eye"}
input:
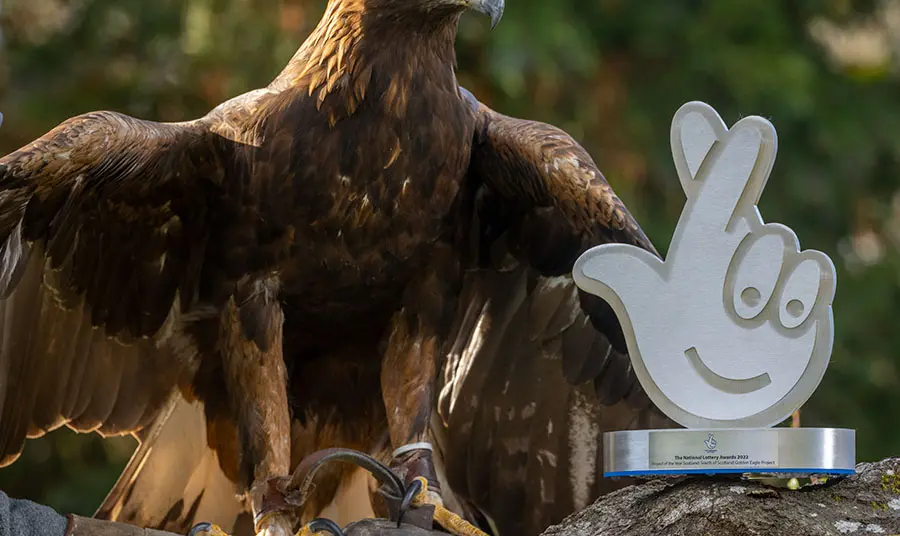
[(799, 295), (756, 275)]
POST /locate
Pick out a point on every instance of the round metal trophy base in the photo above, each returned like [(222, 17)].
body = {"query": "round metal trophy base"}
[(775, 451)]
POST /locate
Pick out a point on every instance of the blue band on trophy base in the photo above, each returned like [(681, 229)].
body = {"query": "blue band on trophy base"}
[(732, 332), (771, 451)]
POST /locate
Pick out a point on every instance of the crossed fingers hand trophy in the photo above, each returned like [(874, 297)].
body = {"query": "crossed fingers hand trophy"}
[(734, 329)]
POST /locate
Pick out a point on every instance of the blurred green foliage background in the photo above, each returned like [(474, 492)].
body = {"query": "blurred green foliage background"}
[(611, 72)]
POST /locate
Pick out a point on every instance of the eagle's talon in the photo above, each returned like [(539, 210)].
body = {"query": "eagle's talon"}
[(321, 526), (274, 524), (273, 514), (423, 493), (450, 521)]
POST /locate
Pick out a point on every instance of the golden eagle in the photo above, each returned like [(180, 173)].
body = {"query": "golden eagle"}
[(360, 255)]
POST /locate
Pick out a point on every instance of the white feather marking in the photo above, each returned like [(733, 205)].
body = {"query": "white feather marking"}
[(467, 356), (584, 438), (552, 354), (550, 283), (568, 302), (529, 410), (566, 162), (549, 457), (12, 250), (164, 228)]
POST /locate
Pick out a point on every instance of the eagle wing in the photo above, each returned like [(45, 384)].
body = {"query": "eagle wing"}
[(106, 233), (174, 479), (537, 370)]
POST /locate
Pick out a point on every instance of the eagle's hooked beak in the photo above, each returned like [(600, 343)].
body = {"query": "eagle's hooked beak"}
[(491, 8)]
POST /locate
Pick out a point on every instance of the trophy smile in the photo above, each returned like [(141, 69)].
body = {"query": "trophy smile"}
[(727, 385)]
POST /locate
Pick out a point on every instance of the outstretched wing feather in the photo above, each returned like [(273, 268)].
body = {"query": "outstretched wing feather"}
[(535, 370), (98, 226)]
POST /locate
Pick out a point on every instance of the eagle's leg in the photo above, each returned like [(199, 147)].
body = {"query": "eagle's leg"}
[(408, 369), (407, 384), (255, 379)]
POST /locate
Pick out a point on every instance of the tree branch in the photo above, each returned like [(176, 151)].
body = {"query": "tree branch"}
[(867, 503)]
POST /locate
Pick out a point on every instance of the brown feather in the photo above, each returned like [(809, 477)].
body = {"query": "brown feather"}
[(532, 380), (78, 373)]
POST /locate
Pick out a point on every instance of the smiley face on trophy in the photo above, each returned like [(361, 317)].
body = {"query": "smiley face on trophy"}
[(734, 328)]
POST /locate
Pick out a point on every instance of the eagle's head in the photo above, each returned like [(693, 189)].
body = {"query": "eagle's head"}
[(491, 8), (361, 42)]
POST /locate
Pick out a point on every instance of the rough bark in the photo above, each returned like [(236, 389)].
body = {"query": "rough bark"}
[(866, 503), (381, 527)]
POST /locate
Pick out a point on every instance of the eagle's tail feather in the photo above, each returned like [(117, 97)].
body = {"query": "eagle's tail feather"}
[(173, 480)]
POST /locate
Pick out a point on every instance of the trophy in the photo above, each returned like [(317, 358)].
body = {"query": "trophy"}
[(733, 331)]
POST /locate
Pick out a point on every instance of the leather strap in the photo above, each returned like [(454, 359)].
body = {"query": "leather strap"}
[(415, 463), (271, 498), (301, 482)]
